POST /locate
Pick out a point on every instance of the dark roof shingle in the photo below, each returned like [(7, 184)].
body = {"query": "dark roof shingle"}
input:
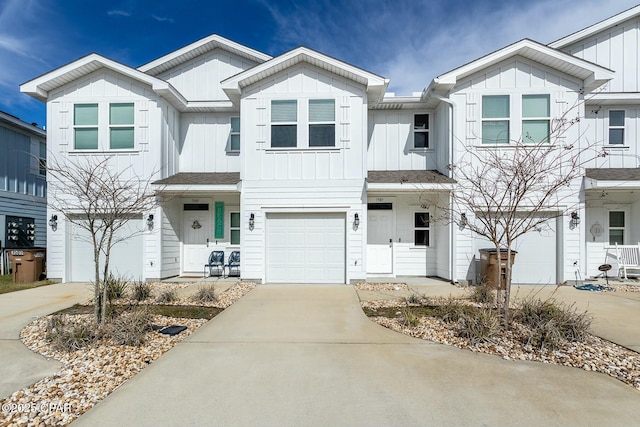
[(614, 174), (409, 176), (201, 178)]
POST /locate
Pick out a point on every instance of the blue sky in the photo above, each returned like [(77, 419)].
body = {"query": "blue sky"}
[(408, 41)]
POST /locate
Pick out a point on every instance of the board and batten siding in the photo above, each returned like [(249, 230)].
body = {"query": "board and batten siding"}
[(616, 48), (390, 144), (596, 130), (206, 140), (199, 79)]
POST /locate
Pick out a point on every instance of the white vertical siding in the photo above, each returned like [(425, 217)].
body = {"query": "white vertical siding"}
[(206, 143)]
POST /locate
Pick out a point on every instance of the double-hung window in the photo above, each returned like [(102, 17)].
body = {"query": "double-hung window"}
[(322, 123), (536, 119), (616, 227), (421, 131), (616, 127), (495, 119), (121, 128), (234, 228), (42, 161), (85, 126), (234, 143), (421, 228), (284, 123)]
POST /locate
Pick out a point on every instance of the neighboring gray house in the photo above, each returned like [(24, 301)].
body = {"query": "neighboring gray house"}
[(23, 184)]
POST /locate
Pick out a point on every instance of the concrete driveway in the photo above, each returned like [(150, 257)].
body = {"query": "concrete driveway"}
[(307, 356)]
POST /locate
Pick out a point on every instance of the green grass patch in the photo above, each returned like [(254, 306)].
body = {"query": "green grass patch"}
[(8, 285), (183, 311)]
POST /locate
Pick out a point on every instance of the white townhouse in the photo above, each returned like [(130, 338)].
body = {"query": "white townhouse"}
[(305, 164)]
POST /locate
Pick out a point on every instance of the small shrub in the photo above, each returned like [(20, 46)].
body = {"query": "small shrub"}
[(141, 290), (451, 310), (205, 294), (551, 323), (116, 287), (129, 328), (67, 335), (482, 326), (169, 295), (482, 294), (409, 317)]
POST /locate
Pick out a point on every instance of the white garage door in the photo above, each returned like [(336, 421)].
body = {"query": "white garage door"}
[(125, 260), (536, 261), (305, 248)]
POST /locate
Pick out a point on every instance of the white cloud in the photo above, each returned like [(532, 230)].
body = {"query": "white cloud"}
[(118, 13), (162, 19)]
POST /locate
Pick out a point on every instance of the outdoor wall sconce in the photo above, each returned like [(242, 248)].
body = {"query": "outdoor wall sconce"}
[(196, 225), (150, 221), (252, 221), (463, 220), (575, 219), (53, 222), (356, 221)]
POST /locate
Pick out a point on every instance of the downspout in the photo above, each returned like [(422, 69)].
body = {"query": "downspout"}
[(452, 239)]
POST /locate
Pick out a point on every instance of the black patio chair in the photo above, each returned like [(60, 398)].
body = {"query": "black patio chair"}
[(234, 263), (216, 260)]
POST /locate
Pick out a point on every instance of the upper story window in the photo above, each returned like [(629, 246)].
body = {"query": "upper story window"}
[(616, 127), (42, 159), (284, 123), (234, 144), (121, 126), (421, 228), (536, 118), (85, 126), (234, 228), (103, 126), (495, 119), (421, 131), (322, 123)]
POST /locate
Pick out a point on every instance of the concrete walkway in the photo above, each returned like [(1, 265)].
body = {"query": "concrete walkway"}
[(307, 356), (19, 366)]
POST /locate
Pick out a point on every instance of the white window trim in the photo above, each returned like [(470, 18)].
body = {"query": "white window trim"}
[(104, 127), (623, 127), (302, 125), (427, 131), (232, 133), (234, 210), (625, 229), (310, 123), (527, 119), (414, 229), (119, 126)]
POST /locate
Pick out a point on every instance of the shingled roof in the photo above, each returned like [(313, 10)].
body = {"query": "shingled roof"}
[(409, 176), (201, 178), (614, 174)]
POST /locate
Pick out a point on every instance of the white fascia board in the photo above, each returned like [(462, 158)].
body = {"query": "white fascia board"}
[(376, 85), (595, 184), (596, 28), (613, 98), (408, 187), (188, 189), (215, 41), (598, 75)]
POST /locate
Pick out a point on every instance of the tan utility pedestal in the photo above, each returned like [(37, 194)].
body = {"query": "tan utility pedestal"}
[(27, 264), (489, 264)]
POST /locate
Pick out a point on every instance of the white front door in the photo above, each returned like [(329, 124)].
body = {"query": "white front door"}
[(195, 248), (379, 238)]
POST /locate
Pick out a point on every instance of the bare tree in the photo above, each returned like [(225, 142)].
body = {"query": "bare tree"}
[(97, 197), (503, 193)]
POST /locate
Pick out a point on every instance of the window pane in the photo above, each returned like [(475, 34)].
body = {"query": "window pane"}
[(616, 236), (421, 237), (535, 106), (121, 114), (322, 136), (421, 139), (535, 131), (235, 237), (322, 110), (235, 142), (616, 219), (616, 118), (85, 114), (616, 136), (421, 219), (495, 107), (284, 135), (235, 219), (86, 139), (121, 138), (421, 121), (43, 150), (284, 111), (495, 132), (235, 124)]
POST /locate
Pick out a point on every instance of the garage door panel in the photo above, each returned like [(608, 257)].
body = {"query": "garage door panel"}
[(305, 248)]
